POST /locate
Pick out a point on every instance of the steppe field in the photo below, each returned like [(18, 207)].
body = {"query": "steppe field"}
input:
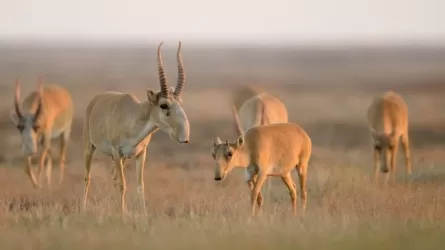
[(326, 91)]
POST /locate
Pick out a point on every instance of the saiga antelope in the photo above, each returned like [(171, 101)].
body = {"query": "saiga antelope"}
[(268, 150), (44, 115), (387, 118), (119, 125), (259, 109)]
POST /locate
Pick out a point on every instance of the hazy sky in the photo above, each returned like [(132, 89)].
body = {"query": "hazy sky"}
[(272, 20)]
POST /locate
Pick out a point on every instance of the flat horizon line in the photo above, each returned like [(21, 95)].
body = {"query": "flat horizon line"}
[(224, 43)]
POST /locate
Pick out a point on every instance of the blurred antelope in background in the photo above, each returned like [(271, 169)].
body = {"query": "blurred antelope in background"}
[(387, 118), (267, 150), (43, 115), (119, 125), (256, 108)]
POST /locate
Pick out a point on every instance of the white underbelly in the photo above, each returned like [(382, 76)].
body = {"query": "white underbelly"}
[(125, 149)]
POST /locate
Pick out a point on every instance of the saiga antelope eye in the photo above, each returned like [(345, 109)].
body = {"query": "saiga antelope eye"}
[(229, 154), (164, 106)]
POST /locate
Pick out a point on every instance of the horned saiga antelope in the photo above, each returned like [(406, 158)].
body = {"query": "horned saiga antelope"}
[(43, 115), (268, 150), (260, 108), (387, 118), (119, 125)]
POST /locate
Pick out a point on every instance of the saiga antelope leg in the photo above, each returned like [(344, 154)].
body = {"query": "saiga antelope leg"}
[(251, 183), (407, 151), (63, 147), (46, 144), (123, 185), (376, 164), (302, 175), (42, 163), (30, 173), (88, 157), (393, 169), (114, 173), (49, 165), (140, 164), (256, 190), (287, 180)]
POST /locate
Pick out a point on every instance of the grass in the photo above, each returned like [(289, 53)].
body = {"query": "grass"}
[(345, 211)]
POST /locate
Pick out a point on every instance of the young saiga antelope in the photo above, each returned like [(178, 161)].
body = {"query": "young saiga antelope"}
[(268, 150), (43, 115), (387, 118), (120, 126), (259, 109)]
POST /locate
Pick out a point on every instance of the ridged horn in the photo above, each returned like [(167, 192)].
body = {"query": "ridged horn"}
[(239, 130), (181, 74), (162, 79), (17, 98)]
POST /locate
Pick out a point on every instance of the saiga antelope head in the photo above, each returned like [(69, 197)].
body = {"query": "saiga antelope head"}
[(27, 120), (167, 103)]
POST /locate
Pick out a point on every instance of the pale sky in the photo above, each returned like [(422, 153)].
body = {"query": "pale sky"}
[(224, 20)]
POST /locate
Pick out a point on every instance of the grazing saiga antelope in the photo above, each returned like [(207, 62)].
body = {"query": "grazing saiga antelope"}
[(119, 125), (44, 115), (268, 150), (260, 109), (387, 118)]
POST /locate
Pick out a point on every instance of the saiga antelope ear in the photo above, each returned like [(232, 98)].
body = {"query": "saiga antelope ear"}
[(240, 142), (151, 96), (14, 117), (213, 151), (217, 141), (171, 90)]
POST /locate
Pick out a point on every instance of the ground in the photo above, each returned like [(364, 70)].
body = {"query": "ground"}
[(326, 92)]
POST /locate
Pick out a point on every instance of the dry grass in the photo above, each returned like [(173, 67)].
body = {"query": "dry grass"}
[(187, 209)]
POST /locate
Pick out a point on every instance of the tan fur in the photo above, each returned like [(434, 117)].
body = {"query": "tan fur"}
[(387, 118), (268, 150), (120, 126), (261, 109), (54, 121)]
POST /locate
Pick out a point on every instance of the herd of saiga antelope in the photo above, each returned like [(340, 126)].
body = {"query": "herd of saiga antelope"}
[(119, 125)]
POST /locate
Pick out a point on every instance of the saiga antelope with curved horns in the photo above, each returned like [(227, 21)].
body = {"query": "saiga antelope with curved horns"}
[(387, 118), (119, 125), (260, 108), (268, 150), (44, 115)]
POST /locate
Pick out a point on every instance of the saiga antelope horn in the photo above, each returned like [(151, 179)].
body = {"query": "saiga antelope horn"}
[(181, 74), (162, 79)]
